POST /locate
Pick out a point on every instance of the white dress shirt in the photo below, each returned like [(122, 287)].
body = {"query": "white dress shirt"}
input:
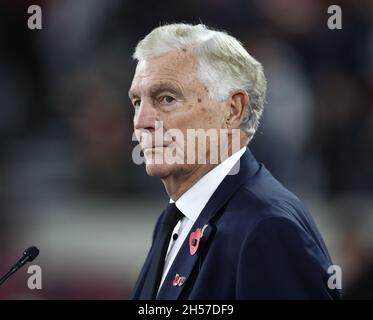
[(192, 202)]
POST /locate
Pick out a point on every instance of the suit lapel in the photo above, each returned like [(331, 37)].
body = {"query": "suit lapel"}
[(184, 262), (183, 266)]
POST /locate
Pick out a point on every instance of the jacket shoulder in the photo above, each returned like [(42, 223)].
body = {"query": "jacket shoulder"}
[(263, 198)]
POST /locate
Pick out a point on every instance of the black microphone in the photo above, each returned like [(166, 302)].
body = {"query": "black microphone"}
[(28, 255)]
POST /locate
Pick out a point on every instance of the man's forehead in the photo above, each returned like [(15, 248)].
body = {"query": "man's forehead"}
[(172, 68), (169, 63)]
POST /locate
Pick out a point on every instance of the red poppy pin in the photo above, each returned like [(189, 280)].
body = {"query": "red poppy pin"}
[(195, 239), (178, 280)]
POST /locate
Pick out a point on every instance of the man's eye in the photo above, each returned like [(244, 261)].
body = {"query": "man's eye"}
[(167, 100), (136, 103)]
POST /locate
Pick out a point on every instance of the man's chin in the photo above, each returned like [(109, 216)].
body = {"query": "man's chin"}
[(157, 170)]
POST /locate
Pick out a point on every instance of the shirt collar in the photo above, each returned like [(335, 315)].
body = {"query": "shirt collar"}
[(192, 202)]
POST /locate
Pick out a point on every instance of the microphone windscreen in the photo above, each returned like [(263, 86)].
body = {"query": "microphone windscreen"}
[(32, 252)]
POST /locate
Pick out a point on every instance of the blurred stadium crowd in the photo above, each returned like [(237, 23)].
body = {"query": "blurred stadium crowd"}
[(68, 183)]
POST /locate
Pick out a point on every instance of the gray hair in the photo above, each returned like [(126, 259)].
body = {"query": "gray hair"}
[(221, 59)]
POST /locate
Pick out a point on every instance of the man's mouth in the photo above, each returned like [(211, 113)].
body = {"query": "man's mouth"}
[(154, 147)]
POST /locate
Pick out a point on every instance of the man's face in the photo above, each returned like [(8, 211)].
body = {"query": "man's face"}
[(167, 94)]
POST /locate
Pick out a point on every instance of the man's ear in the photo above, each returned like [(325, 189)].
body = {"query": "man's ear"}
[(238, 103)]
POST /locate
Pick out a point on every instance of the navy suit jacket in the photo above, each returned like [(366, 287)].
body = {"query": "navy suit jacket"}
[(259, 243)]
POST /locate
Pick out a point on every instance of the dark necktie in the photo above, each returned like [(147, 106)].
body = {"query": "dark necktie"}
[(153, 278)]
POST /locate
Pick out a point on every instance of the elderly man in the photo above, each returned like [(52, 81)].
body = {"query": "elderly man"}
[(231, 230)]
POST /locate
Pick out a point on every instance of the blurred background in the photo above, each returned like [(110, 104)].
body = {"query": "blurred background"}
[(67, 180)]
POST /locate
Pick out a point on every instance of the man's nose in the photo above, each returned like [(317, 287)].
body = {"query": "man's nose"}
[(145, 116)]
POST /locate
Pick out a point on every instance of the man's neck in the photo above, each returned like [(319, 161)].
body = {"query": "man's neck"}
[(177, 185)]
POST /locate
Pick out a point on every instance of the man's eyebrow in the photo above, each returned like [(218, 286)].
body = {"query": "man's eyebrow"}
[(132, 94), (164, 86), (157, 88)]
